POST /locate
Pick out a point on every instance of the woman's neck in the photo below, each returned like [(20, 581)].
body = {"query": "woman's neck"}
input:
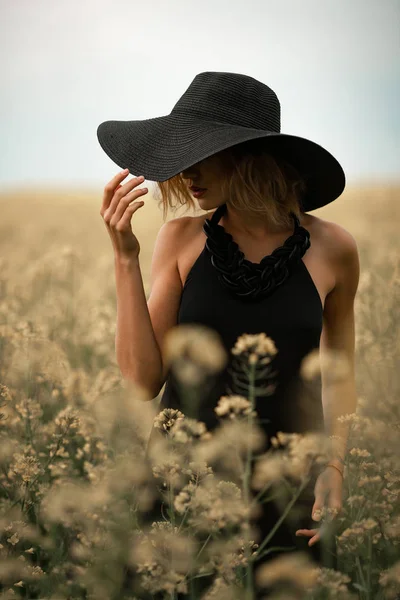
[(253, 225)]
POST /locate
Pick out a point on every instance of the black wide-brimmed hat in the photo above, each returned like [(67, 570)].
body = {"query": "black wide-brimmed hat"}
[(219, 110)]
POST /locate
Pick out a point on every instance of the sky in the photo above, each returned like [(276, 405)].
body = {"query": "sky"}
[(68, 66)]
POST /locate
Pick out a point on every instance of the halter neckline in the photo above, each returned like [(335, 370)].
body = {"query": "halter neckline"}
[(242, 277)]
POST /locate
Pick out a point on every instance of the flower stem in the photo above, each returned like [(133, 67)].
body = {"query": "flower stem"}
[(258, 554), (360, 571), (246, 487), (171, 504), (369, 562), (203, 546)]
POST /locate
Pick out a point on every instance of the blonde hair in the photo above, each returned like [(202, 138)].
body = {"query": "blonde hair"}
[(256, 180)]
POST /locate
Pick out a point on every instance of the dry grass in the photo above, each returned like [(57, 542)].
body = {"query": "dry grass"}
[(71, 433), (370, 213)]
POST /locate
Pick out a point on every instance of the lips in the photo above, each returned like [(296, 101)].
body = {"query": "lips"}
[(197, 189)]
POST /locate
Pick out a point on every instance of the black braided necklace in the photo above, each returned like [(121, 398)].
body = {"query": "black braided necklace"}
[(246, 279)]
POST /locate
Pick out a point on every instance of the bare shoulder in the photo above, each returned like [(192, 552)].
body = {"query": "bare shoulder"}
[(176, 230), (337, 241), (179, 238), (186, 221), (187, 226), (341, 250), (176, 224)]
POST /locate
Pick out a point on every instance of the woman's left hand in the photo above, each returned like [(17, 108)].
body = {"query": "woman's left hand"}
[(328, 492)]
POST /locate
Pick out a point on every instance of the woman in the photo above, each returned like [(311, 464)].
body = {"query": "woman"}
[(255, 262)]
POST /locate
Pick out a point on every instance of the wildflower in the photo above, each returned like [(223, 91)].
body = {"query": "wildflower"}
[(366, 480), (8, 448), (356, 500), (303, 450), (36, 572), (40, 355), (333, 582), (296, 568), (392, 528), (333, 365), (66, 502), (255, 345), (360, 452), (221, 590), (167, 418), (369, 523), (325, 514), (268, 469), (162, 556), (169, 470), (390, 581), (310, 366), (233, 407), (230, 443), (68, 418), (26, 467), (5, 394), (214, 507), (14, 539), (187, 430), (256, 350), (29, 408), (354, 537), (193, 351), (197, 470), (229, 554), (182, 500)]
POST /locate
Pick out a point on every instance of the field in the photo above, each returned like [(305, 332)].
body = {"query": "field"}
[(62, 399)]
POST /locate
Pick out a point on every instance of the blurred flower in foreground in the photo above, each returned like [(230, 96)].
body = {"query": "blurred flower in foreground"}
[(333, 365), (229, 445), (233, 407), (187, 430), (390, 580), (167, 418), (255, 345), (163, 556), (193, 352), (214, 505), (295, 568), (252, 365), (220, 590), (302, 452), (224, 556)]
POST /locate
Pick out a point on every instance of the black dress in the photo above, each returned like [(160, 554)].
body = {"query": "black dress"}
[(292, 315)]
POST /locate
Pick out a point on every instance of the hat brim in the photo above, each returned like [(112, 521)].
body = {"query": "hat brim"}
[(162, 147)]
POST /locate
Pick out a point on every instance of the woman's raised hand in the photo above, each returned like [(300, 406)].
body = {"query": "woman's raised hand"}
[(117, 212)]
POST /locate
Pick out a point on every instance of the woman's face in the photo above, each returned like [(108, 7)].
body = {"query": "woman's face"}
[(207, 174)]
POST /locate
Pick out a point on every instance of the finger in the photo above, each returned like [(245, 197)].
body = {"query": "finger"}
[(314, 534), (110, 188), (112, 195), (119, 194), (124, 223), (318, 506), (314, 539), (306, 532), (316, 511), (124, 203)]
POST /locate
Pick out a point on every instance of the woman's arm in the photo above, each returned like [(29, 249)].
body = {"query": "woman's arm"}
[(137, 352), (142, 324), (339, 394)]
